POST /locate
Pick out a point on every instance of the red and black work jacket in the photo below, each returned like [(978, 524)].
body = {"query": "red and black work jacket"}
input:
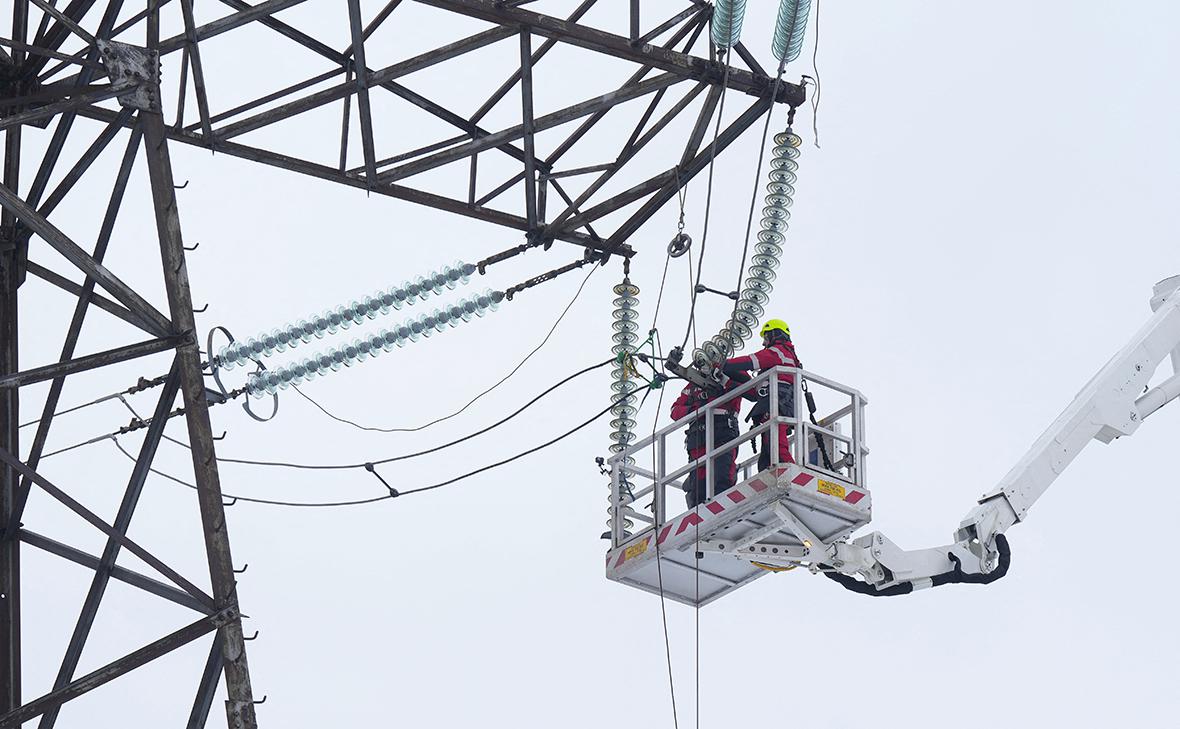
[(725, 416), (781, 353)]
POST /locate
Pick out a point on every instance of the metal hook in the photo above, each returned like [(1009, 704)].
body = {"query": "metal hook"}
[(252, 637), (193, 247), (263, 701), (244, 568), (202, 310), (233, 500), (222, 436), (180, 187)]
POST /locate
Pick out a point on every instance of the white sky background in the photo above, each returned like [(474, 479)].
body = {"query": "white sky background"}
[(993, 200)]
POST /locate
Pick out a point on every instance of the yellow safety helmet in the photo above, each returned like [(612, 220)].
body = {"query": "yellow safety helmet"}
[(775, 324)]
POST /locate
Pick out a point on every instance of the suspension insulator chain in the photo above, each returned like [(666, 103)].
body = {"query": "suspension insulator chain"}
[(623, 386), (760, 276), (727, 22), (356, 312), (268, 382), (789, 29)]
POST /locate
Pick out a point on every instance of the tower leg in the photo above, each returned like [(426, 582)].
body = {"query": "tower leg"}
[(11, 274), (240, 704)]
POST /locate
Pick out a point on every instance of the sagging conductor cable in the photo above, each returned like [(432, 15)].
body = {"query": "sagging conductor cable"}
[(390, 495), (140, 386), (251, 499), (403, 457)]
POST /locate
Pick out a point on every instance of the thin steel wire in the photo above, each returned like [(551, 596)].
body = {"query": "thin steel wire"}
[(406, 492), (757, 187), (404, 456), (708, 205), (818, 87), (75, 408), (659, 567)]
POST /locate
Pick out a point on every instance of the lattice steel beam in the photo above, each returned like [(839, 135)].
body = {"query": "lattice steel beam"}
[(536, 198)]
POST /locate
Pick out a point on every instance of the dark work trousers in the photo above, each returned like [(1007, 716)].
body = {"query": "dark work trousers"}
[(787, 408), (725, 429)]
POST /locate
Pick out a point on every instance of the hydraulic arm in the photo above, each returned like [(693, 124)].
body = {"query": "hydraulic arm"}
[(1113, 404)]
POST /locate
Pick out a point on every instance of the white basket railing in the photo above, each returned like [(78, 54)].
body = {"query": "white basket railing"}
[(840, 430)]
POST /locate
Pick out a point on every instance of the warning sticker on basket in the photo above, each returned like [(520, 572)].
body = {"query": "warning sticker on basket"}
[(635, 550), (831, 489)]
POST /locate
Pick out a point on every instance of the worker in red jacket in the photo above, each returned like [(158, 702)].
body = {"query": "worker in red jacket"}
[(725, 429), (777, 350)]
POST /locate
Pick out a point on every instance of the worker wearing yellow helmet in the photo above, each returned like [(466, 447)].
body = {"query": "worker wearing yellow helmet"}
[(777, 350)]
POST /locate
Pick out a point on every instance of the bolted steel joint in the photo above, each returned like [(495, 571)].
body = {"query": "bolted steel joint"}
[(136, 68)]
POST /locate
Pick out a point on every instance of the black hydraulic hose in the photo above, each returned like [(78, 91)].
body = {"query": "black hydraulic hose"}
[(956, 575), (864, 588)]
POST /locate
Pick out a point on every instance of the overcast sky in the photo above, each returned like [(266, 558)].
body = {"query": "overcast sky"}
[(993, 200)]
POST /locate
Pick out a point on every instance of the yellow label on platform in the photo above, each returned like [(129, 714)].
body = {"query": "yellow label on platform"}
[(635, 550), (831, 489)]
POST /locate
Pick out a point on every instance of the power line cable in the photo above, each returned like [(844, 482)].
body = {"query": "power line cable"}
[(251, 499), (140, 386), (473, 400), (102, 399), (546, 444), (420, 489), (140, 422), (92, 441), (405, 456)]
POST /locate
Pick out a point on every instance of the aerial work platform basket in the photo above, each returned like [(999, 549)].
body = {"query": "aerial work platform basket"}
[(769, 521)]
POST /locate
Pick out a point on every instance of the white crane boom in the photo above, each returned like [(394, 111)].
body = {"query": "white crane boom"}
[(802, 510), (1113, 403)]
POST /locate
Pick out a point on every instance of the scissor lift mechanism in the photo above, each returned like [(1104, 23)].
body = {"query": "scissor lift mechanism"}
[(804, 513)]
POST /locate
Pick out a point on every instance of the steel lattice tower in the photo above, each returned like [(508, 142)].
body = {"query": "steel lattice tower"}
[(84, 64)]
